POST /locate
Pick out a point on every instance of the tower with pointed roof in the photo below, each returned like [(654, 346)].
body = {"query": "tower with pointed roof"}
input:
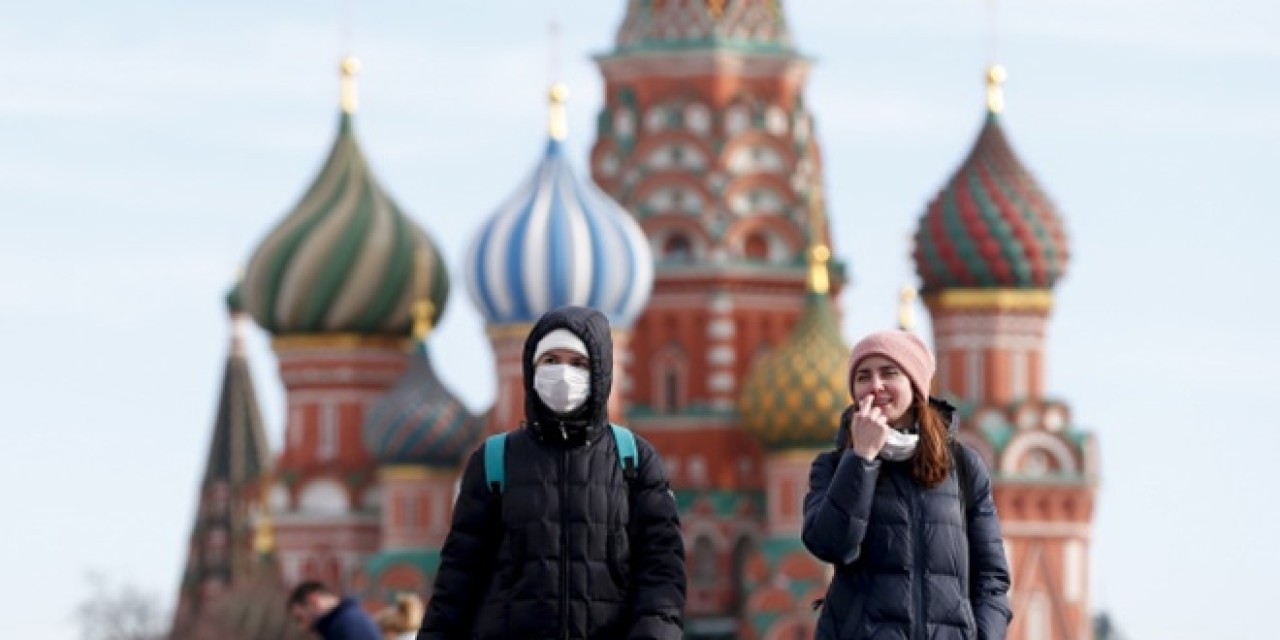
[(335, 283), (989, 249), (556, 241), (221, 553), (705, 138)]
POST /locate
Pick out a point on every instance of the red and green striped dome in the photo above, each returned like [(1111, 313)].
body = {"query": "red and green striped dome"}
[(347, 259), (991, 226)]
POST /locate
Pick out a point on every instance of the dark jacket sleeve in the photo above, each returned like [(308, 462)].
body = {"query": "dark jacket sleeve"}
[(467, 559), (988, 567), (838, 505), (657, 557), (348, 620)]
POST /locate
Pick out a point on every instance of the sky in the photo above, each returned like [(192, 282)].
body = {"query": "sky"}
[(147, 146)]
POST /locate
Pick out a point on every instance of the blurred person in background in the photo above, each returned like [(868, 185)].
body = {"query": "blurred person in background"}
[(316, 608)]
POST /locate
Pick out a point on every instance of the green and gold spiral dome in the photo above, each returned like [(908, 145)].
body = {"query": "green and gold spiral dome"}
[(346, 259), (793, 397)]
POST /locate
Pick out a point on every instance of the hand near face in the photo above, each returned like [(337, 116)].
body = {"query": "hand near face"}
[(869, 429)]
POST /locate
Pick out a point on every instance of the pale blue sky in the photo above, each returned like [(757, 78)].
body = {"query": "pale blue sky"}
[(146, 146)]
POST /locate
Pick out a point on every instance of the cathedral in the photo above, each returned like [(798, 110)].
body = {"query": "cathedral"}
[(697, 225)]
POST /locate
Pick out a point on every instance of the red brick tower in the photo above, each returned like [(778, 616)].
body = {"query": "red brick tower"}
[(334, 283), (989, 250), (702, 135)]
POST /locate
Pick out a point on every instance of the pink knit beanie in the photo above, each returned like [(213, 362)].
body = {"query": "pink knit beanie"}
[(904, 348)]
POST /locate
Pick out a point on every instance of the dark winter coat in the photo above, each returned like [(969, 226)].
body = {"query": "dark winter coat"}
[(571, 548), (347, 621), (907, 564)]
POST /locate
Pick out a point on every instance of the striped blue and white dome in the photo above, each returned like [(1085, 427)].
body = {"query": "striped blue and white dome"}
[(559, 241)]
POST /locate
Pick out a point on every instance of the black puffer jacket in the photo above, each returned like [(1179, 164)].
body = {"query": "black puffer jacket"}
[(905, 568), (570, 549)]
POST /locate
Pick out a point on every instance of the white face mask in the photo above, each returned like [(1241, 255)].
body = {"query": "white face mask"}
[(563, 388), (900, 446)]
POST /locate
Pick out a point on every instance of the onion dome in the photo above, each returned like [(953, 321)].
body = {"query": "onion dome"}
[(347, 259), (792, 398), (559, 241), (420, 421), (991, 226), (750, 26)]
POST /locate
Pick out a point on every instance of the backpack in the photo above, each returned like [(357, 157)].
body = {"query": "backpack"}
[(495, 470), (966, 488)]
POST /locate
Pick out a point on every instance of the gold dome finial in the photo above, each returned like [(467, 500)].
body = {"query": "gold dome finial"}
[(819, 280), (422, 311), (558, 122), (995, 88), (906, 308), (350, 67), (423, 308), (715, 8)]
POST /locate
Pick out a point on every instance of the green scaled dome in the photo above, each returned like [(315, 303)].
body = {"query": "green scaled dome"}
[(793, 397), (346, 259)]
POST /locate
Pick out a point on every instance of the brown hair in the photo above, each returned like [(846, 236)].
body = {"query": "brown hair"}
[(933, 459), (305, 590)]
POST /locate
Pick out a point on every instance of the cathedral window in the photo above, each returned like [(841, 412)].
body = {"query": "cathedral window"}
[(801, 130), (775, 120), (624, 123), (756, 248), (756, 158), (697, 118), (655, 120), (608, 165), (704, 562), (327, 443), (677, 249), (671, 390), (323, 497), (737, 120), (698, 471)]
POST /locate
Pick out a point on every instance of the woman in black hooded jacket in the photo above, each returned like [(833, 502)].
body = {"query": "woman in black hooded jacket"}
[(571, 548), (903, 511)]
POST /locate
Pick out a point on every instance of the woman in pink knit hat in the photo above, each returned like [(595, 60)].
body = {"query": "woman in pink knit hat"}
[(904, 511)]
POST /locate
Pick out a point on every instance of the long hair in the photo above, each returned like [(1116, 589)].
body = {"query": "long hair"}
[(932, 461)]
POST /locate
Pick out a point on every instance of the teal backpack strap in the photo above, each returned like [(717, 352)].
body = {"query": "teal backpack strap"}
[(625, 441), (495, 472)]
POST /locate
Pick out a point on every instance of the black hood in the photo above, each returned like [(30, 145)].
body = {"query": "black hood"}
[(588, 422), (943, 407)]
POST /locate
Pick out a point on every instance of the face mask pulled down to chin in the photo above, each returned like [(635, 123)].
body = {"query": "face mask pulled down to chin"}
[(561, 387), (900, 446)]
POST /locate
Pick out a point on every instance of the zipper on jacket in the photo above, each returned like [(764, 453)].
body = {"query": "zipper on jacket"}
[(564, 545), (921, 623)]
